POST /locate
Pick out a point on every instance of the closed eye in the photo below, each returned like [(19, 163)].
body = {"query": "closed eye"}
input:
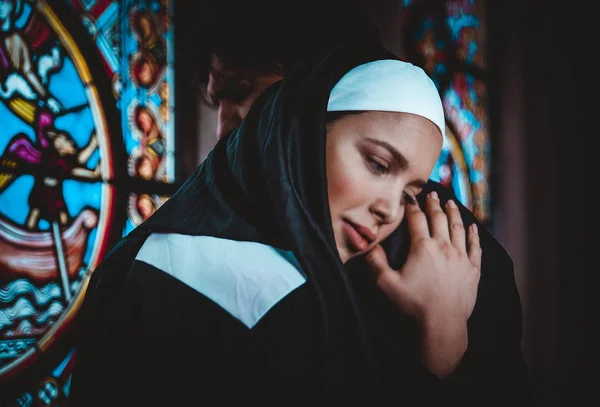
[(409, 199), (235, 92), (375, 165)]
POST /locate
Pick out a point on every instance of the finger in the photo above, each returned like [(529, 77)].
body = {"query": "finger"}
[(417, 222), (387, 279), (474, 246), (377, 260), (438, 222), (455, 224)]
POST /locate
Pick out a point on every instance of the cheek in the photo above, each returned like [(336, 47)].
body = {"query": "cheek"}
[(258, 89), (388, 229), (347, 183)]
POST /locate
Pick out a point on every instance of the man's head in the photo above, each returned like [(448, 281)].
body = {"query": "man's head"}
[(232, 89), (242, 48)]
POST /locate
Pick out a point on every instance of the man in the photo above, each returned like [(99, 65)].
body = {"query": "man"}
[(246, 51), (233, 91)]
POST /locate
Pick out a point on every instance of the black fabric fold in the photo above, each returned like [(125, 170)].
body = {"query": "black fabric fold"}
[(266, 183)]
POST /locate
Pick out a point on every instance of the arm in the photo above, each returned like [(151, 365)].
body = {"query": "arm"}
[(86, 152), (86, 173), (437, 284), (493, 369)]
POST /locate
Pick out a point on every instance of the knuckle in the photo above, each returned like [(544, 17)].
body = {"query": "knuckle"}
[(428, 246), (447, 249), (432, 212), (453, 214), (474, 246), (422, 244), (433, 205), (453, 209), (420, 217), (438, 216), (458, 227), (462, 257)]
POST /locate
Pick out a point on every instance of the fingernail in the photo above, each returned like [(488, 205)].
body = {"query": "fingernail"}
[(433, 195), (474, 227), (451, 203)]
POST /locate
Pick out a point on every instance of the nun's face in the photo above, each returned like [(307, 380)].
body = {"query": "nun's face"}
[(377, 162)]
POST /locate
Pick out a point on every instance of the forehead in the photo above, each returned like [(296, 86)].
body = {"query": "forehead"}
[(388, 122), (409, 133), (226, 71)]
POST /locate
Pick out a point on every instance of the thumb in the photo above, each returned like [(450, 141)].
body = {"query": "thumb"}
[(386, 278)]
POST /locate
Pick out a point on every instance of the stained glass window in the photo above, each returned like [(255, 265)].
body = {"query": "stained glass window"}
[(447, 39), (134, 40), (87, 153)]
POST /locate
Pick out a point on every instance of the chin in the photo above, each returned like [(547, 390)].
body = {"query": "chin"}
[(344, 255)]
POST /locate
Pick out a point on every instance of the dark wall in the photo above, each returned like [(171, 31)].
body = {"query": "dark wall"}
[(537, 110)]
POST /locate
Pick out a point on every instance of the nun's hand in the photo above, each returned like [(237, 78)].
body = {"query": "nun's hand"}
[(437, 285)]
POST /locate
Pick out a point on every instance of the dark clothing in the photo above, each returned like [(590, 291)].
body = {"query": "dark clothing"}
[(234, 291)]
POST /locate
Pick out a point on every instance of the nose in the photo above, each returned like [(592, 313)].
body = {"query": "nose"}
[(388, 208), (229, 117)]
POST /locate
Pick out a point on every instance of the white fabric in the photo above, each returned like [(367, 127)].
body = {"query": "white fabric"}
[(388, 85), (244, 278)]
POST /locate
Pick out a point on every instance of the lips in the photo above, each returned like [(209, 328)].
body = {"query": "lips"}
[(359, 237)]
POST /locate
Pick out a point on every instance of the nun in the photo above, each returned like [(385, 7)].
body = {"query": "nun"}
[(308, 260)]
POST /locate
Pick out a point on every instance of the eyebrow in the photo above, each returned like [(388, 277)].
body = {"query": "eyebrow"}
[(402, 162), (227, 86)]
